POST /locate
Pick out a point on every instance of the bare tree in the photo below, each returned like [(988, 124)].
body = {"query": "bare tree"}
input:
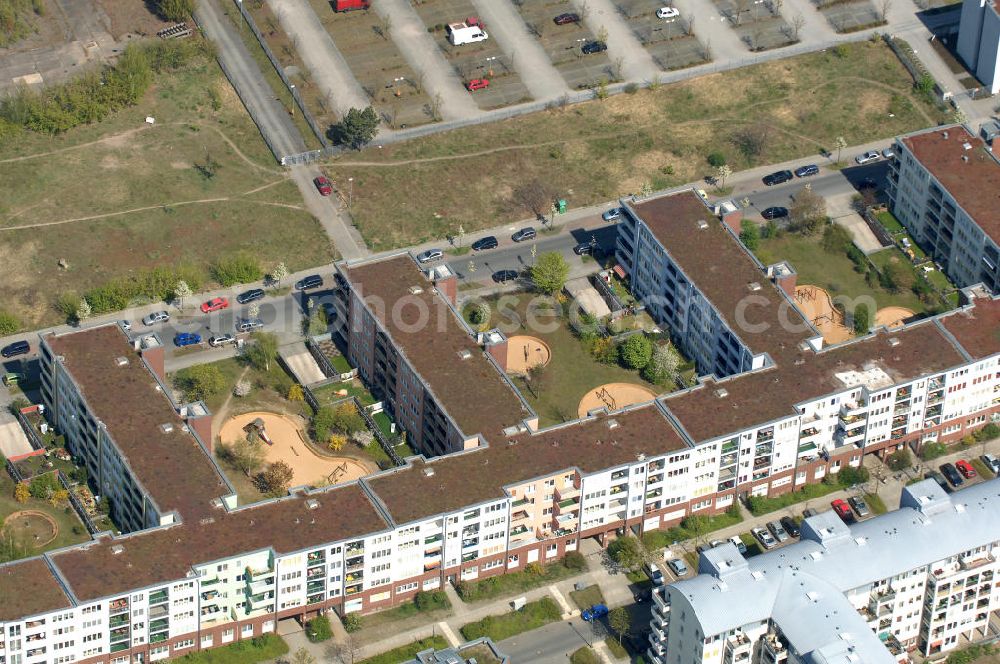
[(534, 196), (883, 9), (742, 6), (435, 107), (346, 651), (687, 22), (808, 211), (755, 34), (618, 68), (602, 35), (419, 79), (584, 9), (752, 140), (384, 26), (797, 22), (776, 6)]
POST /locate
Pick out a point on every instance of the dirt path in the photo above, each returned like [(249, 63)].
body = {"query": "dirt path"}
[(220, 415)]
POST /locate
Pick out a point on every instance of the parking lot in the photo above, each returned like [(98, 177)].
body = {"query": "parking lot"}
[(671, 41), (758, 23), (851, 16)]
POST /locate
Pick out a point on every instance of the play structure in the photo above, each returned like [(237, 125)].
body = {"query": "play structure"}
[(614, 396), (285, 438), (524, 352), (817, 306)]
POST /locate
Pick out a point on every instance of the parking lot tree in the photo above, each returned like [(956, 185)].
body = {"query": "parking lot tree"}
[(358, 127), (750, 234), (722, 174), (636, 351), (263, 350), (840, 142), (175, 10), (808, 211), (620, 622), (799, 22), (549, 272), (181, 291), (899, 460), (279, 272), (200, 382)]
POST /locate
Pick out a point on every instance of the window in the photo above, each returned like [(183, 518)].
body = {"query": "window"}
[(246, 630), (206, 641), (186, 643)]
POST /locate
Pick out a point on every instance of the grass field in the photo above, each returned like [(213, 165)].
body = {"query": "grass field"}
[(71, 529), (503, 626), (599, 150), (586, 598), (407, 652), (120, 196)]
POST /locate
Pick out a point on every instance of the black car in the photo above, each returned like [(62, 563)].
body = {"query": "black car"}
[(775, 212), (250, 295), (808, 512), (524, 234), (806, 171), (949, 471), (488, 242), (584, 249), (939, 478), (867, 183), (777, 178), (566, 19), (16, 348), (594, 47), (312, 281), (503, 276), (788, 523)]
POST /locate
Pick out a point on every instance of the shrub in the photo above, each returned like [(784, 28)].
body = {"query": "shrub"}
[(574, 560), (43, 486), (626, 552), (631, 88), (175, 10), (932, 451), (534, 568), (237, 269), (716, 159), (899, 460), (295, 393), (9, 324), (431, 601), (750, 235), (352, 622), (988, 432), (849, 475), (22, 492), (200, 381), (862, 319), (318, 629), (143, 286), (636, 351)]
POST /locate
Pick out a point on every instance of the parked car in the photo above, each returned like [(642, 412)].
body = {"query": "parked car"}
[(566, 19), (677, 566), (939, 478), (701, 548), (843, 510), (867, 157), (654, 573), (312, 281), (221, 340), (187, 339), (595, 612), (775, 212), (739, 544), (430, 255), (594, 47), (776, 529), (859, 505), (612, 214), (155, 317), (215, 304), (792, 528), (964, 467), (585, 248), (808, 512), (250, 295), (503, 276), (478, 84), (777, 178), (950, 472), (642, 594), (323, 185), (249, 324), (867, 183), (484, 243), (991, 462), (524, 234), (126, 325), (764, 537), (16, 348), (806, 171), (888, 153), (667, 12)]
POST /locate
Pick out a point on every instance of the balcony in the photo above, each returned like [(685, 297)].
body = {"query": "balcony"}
[(848, 421), (116, 621), (319, 557), (352, 590), (619, 488), (159, 597), (257, 574), (977, 560), (159, 625), (567, 493), (903, 393), (209, 595), (158, 611), (518, 530), (119, 605), (618, 474), (808, 432), (119, 634), (519, 503)]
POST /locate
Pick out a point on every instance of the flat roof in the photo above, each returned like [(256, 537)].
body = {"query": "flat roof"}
[(974, 182), (723, 271), (470, 390), (167, 554), (28, 588), (174, 469), (461, 480), (976, 328), (770, 394)]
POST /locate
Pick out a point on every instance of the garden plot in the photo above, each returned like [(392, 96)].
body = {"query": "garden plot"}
[(474, 61), (562, 43), (852, 15), (365, 41), (671, 41), (758, 23)]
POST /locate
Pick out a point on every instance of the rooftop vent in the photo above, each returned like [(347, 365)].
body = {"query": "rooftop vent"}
[(121, 361), (754, 285), (612, 423), (861, 541), (944, 135), (702, 224), (428, 472), (965, 158), (117, 549), (757, 575), (166, 427), (967, 146), (312, 504), (465, 353), (206, 521), (641, 456), (812, 595), (722, 393), (894, 341), (416, 290)]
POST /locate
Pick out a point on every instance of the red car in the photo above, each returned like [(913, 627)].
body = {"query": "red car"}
[(965, 468), (843, 510), (323, 185), (478, 84), (216, 304)]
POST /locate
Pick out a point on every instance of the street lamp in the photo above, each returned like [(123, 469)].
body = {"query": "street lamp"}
[(350, 194), (489, 66)]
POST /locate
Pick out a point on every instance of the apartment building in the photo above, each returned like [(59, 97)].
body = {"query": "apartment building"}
[(943, 186), (979, 41), (921, 577)]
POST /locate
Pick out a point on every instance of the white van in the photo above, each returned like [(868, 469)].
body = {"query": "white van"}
[(463, 33)]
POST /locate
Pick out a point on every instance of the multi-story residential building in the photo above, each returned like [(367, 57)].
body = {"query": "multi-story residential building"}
[(921, 577), (979, 41), (943, 186), (205, 572)]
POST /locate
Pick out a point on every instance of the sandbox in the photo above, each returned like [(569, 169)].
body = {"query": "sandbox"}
[(524, 352), (32, 527), (287, 443), (614, 396), (818, 308), (892, 317)]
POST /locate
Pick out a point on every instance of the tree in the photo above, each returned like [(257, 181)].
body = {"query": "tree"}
[(200, 382), (318, 629), (716, 159), (883, 9), (22, 492), (808, 211), (862, 319), (636, 351), (352, 622), (722, 173), (619, 621), (534, 196), (535, 378), (850, 476), (798, 22), (347, 419), (836, 239), (276, 478), (278, 273), (663, 365), (83, 311), (549, 272), (323, 423), (840, 142), (899, 460), (247, 454), (358, 127), (302, 656), (752, 140), (181, 291), (175, 10), (295, 393), (263, 350), (750, 234), (242, 388), (626, 551)]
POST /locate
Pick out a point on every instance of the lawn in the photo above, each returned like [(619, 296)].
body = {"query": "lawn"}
[(532, 616), (763, 505), (585, 655), (600, 150), (259, 649), (571, 372), (875, 504), (889, 222), (514, 583), (436, 607), (407, 652), (331, 393), (71, 529), (586, 598), (120, 196)]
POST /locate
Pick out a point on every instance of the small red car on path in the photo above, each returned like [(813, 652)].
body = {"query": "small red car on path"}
[(323, 185), (843, 510), (478, 84), (965, 468), (215, 304)]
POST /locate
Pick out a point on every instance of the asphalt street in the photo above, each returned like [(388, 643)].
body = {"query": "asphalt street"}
[(550, 644)]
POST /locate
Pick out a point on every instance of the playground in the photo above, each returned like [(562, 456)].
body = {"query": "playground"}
[(817, 306), (892, 317), (614, 396), (35, 529), (525, 352), (285, 439)]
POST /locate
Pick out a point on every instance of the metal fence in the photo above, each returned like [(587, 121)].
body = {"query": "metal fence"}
[(379, 436), (880, 232), (14, 472), (33, 437), (322, 360)]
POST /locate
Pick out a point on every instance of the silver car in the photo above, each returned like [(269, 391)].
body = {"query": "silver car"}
[(430, 255), (763, 537), (778, 530), (155, 317), (871, 155), (249, 324)]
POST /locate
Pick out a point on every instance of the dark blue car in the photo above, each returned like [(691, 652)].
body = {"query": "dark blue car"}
[(187, 339), (594, 612)]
